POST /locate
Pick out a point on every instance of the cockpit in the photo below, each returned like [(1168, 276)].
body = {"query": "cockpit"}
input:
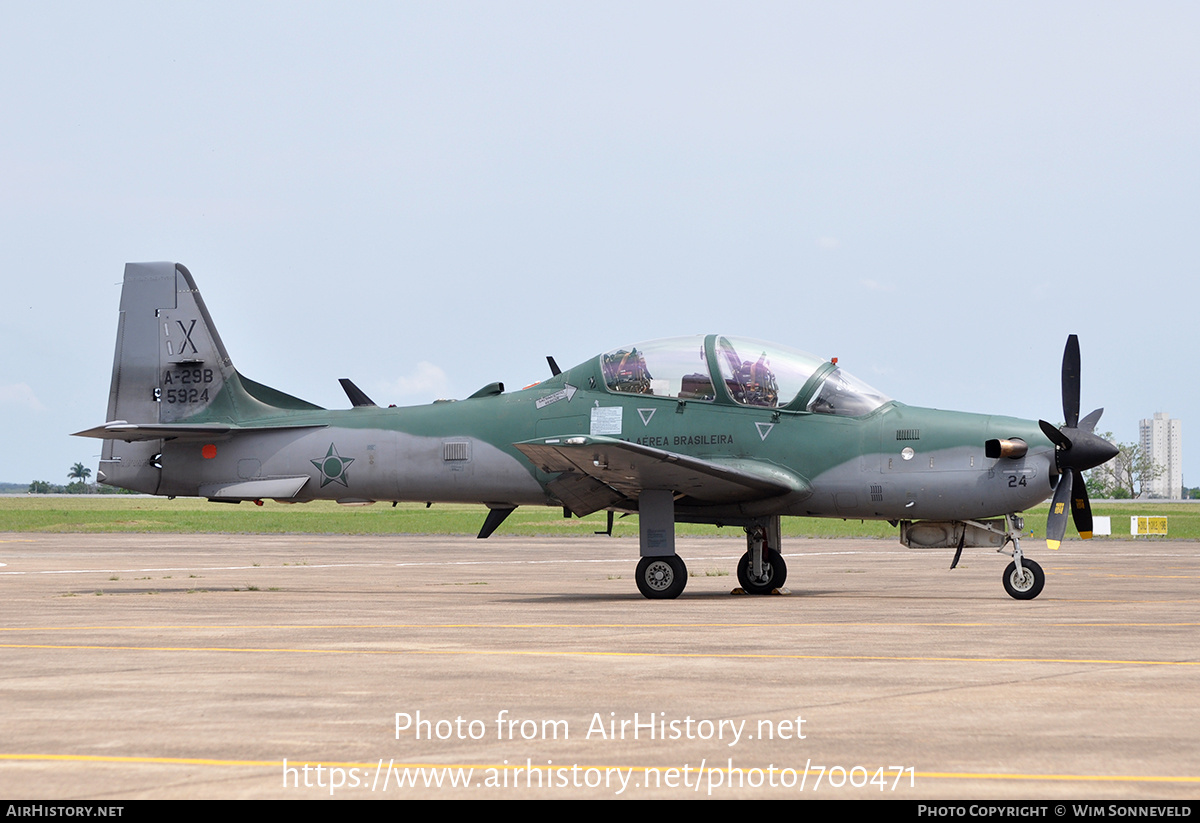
[(738, 370)]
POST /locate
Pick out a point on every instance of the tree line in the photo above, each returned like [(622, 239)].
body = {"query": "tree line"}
[(1128, 475), (78, 475)]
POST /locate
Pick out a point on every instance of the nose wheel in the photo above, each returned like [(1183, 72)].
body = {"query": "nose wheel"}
[(1023, 579), (1025, 583)]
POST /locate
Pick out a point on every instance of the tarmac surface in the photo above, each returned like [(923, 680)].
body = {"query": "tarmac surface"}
[(195, 666)]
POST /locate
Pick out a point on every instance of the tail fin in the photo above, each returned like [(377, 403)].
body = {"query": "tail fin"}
[(171, 375)]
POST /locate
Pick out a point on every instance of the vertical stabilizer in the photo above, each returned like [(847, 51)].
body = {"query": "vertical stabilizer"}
[(170, 363), (171, 367)]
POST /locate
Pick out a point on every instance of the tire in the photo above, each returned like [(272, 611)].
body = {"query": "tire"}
[(661, 578), (1027, 587), (775, 574)]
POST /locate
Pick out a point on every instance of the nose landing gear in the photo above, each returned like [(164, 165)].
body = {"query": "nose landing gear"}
[(1024, 582), (1023, 579)]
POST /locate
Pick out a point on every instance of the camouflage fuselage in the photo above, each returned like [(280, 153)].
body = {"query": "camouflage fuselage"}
[(899, 462)]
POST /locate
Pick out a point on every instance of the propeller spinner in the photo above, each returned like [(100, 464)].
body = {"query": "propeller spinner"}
[(1076, 449)]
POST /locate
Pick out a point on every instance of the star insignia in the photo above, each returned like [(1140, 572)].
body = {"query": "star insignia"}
[(333, 467)]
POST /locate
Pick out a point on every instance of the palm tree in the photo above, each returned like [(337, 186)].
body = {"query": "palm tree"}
[(80, 472)]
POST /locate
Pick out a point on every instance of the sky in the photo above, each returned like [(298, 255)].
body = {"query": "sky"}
[(428, 197)]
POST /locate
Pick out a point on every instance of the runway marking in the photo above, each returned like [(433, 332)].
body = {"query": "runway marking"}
[(416, 563), (1066, 570), (687, 625), (277, 764), (641, 655), (251, 567)]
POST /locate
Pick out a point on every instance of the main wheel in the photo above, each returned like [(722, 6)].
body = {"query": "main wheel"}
[(774, 574), (661, 578), (1024, 586)]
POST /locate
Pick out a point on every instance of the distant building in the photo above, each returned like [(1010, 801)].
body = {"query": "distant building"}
[(1162, 442)]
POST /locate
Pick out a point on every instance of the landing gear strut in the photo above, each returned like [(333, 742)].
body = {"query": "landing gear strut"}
[(661, 574), (761, 569), (1023, 579)]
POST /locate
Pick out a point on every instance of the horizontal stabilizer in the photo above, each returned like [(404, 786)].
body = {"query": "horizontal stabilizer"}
[(134, 432)]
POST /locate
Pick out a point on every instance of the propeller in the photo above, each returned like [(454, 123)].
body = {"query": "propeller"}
[(1076, 449)]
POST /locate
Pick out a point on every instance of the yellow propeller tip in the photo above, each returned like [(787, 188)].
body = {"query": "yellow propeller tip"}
[(1086, 535), (1052, 544)]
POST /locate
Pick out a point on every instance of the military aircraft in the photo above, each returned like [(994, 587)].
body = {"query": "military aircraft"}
[(704, 429)]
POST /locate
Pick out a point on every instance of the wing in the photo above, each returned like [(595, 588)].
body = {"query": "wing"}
[(599, 472)]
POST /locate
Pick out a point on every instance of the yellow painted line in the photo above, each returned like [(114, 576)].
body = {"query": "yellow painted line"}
[(170, 761), (410, 626), (299, 764), (1091, 778), (662, 655), (1188, 601)]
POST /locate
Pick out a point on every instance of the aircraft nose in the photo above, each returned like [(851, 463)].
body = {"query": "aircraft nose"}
[(1077, 448), (1089, 451)]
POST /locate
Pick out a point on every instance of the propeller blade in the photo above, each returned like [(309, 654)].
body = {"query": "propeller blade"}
[(1081, 509), (1088, 424), (1056, 437), (1056, 523), (1076, 449), (1070, 382)]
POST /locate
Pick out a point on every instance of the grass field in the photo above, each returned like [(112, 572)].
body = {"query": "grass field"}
[(121, 513)]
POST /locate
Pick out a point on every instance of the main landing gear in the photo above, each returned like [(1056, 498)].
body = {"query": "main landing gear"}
[(761, 569), (662, 574), (661, 578)]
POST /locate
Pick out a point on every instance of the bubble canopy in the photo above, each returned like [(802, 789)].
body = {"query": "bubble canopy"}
[(747, 372)]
